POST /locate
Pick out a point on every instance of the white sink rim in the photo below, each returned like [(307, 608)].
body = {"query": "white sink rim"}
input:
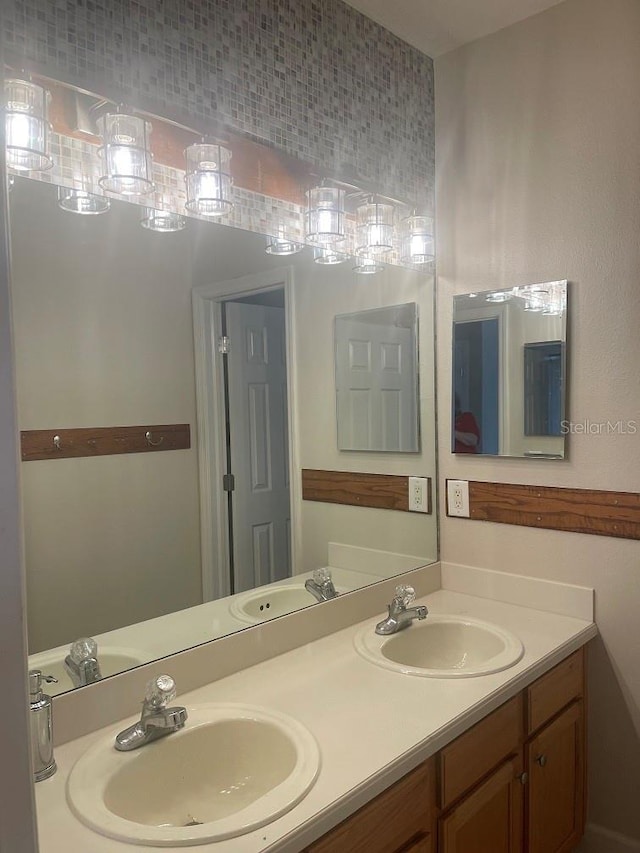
[(370, 646), (90, 776), (239, 602)]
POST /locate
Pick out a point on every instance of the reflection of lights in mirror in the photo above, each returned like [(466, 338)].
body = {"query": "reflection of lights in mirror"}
[(498, 296), (367, 266), (161, 220), (282, 243), (126, 156), (208, 179), (325, 215), (27, 127), (328, 255), (79, 201), (417, 240), (374, 229)]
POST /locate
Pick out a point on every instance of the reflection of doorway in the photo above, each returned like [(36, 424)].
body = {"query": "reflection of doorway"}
[(242, 350), (257, 463), (476, 366)]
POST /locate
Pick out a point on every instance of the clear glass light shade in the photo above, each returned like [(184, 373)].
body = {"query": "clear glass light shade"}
[(374, 229), (325, 215), (498, 296), (208, 179), (417, 240), (282, 244), (27, 126), (80, 201), (127, 163), (367, 266), (162, 220), (329, 255)]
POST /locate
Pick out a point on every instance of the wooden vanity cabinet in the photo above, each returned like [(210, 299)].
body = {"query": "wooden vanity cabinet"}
[(513, 783), (400, 820)]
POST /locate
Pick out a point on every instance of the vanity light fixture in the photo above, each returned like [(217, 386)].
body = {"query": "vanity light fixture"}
[(417, 244), (127, 162), (329, 255), (80, 201), (163, 221), (374, 228), (208, 179), (367, 266), (325, 216), (282, 244), (27, 126)]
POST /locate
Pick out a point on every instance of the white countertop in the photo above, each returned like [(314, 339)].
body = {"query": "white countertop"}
[(372, 725)]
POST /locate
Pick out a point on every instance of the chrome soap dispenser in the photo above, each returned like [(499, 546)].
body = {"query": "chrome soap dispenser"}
[(41, 723)]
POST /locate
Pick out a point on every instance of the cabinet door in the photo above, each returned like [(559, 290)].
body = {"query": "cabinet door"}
[(420, 845), (489, 819), (555, 759)]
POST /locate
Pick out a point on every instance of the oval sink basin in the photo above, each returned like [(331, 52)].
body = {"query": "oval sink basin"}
[(113, 660), (262, 604), (442, 647), (233, 768)]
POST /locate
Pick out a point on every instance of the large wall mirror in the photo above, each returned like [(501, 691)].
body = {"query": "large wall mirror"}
[(118, 325), (509, 371)]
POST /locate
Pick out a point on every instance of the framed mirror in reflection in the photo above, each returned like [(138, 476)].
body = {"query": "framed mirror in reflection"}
[(509, 371), (377, 379), (152, 553)]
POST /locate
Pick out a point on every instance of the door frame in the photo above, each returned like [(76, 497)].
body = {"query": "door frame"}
[(210, 419)]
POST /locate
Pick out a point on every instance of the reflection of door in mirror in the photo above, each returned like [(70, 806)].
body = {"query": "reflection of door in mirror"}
[(476, 394), (377, 380), (257, 446), (543, 388)]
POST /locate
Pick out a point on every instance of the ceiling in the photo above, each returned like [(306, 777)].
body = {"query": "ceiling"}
[(437, 26)]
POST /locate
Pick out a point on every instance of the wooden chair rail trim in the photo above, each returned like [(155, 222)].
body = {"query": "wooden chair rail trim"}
[(380, 491), (597, 512), (39, 444)]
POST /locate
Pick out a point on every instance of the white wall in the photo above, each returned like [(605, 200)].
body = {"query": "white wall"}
[(538, 172), (103, 337)]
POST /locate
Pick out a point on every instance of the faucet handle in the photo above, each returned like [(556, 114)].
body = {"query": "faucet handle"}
[(83, 649), (160, 691), (321, 576), (404, 595)]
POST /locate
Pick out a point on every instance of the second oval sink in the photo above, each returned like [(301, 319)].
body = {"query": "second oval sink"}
[(442, 647), (233, 768)]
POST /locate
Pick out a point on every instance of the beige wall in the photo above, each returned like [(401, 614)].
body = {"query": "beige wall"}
[(321, 293), (103, 337), (538, 165)]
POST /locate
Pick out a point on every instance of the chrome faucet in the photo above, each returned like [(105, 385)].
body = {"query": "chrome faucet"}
[(157, 720), (321, 586), (81, 664), (400, 614)]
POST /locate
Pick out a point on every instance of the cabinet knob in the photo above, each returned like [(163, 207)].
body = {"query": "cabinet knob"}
[(523, 778), (542, 760)]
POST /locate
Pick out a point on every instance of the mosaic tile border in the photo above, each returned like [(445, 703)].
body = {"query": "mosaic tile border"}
[(314, 78)]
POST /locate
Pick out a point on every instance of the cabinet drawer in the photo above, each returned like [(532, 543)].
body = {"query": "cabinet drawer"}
[(390, 821), (550, 693), (471, 756)]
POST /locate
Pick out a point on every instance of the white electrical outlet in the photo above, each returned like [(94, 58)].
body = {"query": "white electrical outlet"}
[(418, 494), (458, 498)]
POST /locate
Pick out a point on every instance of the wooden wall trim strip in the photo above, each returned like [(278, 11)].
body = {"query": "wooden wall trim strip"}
[(598, 512), (103, 441), (380, 491)]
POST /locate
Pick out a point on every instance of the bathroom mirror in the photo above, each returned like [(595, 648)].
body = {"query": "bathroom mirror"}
[(509, 371), (118, 326), (377, 379)]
